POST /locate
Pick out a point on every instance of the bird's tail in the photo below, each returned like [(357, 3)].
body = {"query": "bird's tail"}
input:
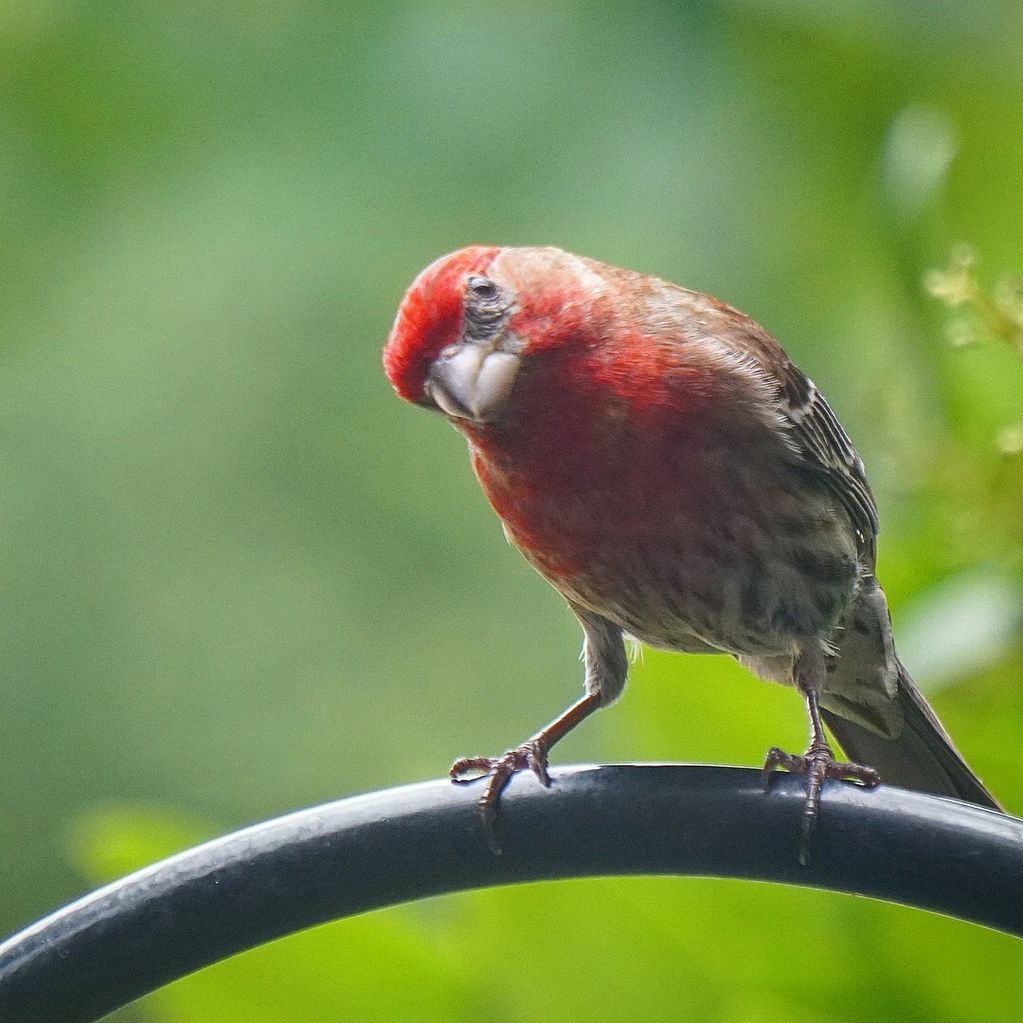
[(921, 757)]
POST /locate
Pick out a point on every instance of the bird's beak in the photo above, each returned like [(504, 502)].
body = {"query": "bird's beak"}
[(469, 380)]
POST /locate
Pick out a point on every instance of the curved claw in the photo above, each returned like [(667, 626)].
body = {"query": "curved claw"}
[(498, 771), (818, 763)]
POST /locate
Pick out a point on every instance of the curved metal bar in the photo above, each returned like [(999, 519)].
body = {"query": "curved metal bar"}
[(357, 854)]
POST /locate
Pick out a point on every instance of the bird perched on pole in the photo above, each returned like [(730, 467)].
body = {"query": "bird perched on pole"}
[(658, 458)]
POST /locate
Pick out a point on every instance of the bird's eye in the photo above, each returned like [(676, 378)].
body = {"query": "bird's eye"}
[(486, 306), (483, 288)]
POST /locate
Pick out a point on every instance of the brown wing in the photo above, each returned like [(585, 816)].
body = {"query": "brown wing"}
[(827, 450), (822, 446)]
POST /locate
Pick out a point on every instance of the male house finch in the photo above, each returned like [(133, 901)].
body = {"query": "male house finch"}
[(657, 457)]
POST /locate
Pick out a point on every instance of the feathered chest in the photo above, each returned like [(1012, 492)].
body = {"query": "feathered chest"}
[(690, 532)]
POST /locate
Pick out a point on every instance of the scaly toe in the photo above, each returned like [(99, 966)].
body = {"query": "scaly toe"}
[(477, 767), (498, 771), (818, 760), (818, 764)]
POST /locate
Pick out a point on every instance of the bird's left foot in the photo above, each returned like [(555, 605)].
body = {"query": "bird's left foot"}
[(817, 763)]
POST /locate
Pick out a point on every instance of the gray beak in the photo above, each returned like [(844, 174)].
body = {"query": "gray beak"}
[(470, 381)]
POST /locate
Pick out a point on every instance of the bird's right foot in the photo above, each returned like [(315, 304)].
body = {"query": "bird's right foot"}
[(531, 755)]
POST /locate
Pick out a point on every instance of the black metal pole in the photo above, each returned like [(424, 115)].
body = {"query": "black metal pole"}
[(342, 858)]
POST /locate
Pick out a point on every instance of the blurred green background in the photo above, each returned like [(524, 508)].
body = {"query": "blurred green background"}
[(239, 576)]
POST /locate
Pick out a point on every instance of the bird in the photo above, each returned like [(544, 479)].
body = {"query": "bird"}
[(659, 459)]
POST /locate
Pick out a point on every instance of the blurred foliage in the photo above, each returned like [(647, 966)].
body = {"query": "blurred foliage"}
[(995, 315), (239, 576)]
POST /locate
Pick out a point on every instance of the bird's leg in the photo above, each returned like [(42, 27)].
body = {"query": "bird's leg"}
[(818, 762), (532, 755), (606, 670)]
